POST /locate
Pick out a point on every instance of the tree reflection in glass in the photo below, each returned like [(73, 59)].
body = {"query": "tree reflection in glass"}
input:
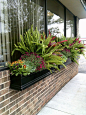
[(55, 15), (16, 17)]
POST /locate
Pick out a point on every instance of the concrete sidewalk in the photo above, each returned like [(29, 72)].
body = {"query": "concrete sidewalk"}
[(71, 99)]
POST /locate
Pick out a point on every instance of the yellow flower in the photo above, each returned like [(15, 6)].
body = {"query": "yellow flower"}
[(24, 66), (15, 62), (12, 62)]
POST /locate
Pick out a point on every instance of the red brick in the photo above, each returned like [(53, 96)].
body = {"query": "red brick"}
[(2, 110), (13, 108), (4, 103), (4, 79), (4, 91), (1, 75), (5, 113)]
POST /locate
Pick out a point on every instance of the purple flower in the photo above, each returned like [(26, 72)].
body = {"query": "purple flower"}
[(43, 66), (34, 58), (26, 52), (38, 56), (40, 66), (70, 44), (79, 41), (31, 52)]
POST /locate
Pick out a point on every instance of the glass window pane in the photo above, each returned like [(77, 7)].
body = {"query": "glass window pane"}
[(69, 24), (16, 17), (4, 36), (55, 15)]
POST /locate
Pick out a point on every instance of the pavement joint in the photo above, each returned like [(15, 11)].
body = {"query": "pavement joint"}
[(59, 110)]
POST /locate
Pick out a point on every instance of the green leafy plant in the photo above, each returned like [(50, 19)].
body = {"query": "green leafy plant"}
[(27, 42), (47, 48), (21, 67), (72, 48), (76, 48)]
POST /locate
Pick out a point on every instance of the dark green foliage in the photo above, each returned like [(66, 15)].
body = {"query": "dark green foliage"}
[(35, 42)]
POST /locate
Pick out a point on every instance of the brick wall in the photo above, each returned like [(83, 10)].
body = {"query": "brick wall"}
[(31, 100)]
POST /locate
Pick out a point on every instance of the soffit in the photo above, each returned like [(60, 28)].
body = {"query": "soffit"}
[(75, 7)]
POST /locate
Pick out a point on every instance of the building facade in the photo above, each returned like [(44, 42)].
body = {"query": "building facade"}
[(60, 17), (17, 16)]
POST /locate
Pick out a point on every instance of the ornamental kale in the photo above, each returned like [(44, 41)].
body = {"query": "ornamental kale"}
[(34, 58)]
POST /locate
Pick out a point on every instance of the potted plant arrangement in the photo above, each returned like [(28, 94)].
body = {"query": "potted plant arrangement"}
[(72, 48), (27, 71), (39, 57)]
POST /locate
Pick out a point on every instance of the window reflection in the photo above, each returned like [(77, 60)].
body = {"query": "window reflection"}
[(69, 24), (16, 17), (4, 36), (55, 15)]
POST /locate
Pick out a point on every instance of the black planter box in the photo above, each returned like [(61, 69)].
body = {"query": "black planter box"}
[(69, 61), (21, 82)]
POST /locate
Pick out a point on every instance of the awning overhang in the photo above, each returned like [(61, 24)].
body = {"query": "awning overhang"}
[(76, 7)]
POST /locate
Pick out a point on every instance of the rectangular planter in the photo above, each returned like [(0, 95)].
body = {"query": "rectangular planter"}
[(66, 63), (21, 82)]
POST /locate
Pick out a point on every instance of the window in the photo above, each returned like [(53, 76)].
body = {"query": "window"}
[(55, 16), (16, 17), (69, 24)]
